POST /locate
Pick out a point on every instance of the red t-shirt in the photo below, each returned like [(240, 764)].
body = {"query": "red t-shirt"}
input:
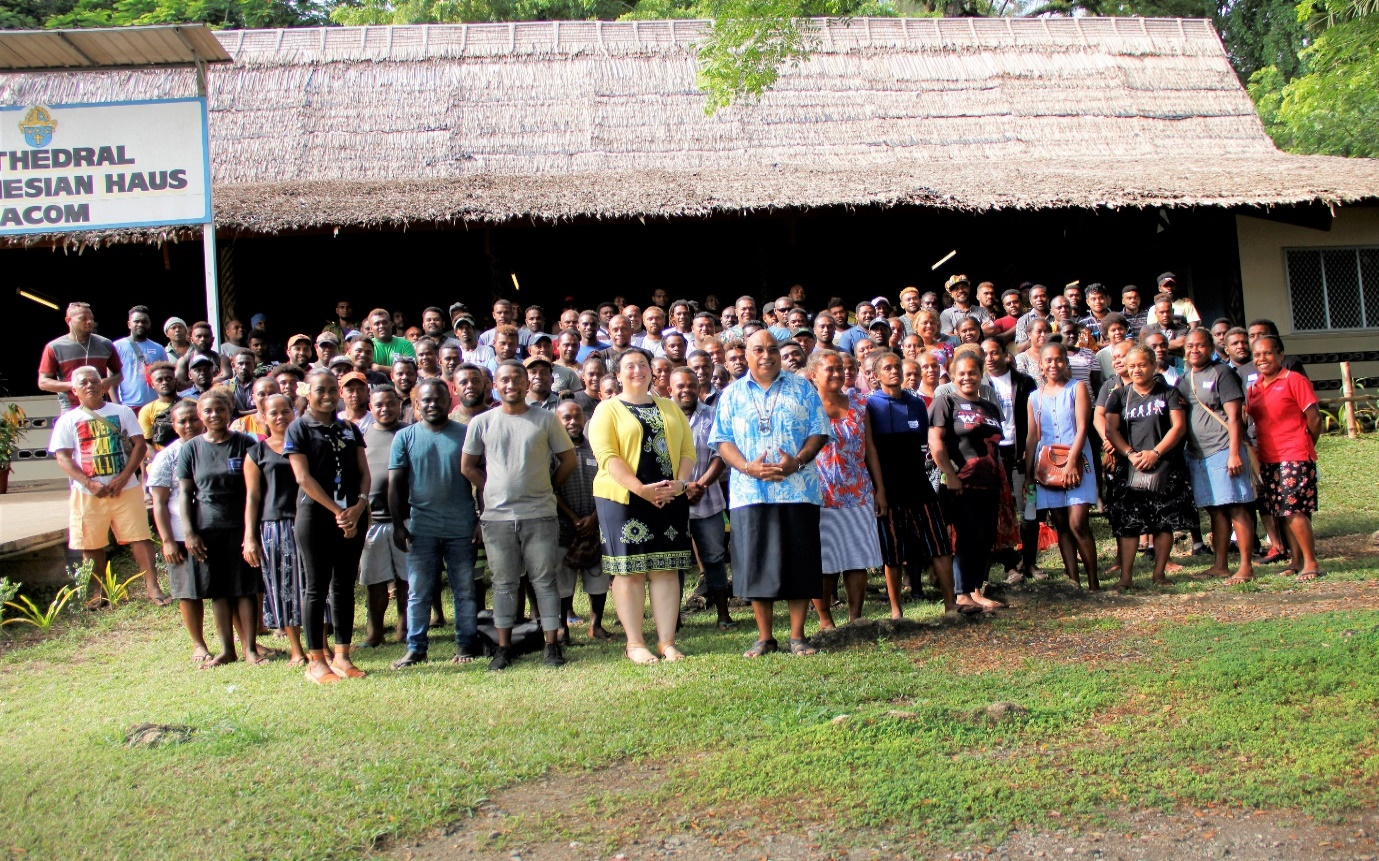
[(1277, 409), (64, 355), (1003, 324)]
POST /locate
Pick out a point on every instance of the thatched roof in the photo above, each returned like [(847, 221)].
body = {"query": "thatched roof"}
[(388, 126)]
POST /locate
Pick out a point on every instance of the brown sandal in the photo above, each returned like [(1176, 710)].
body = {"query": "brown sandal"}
[(326, 678), (350, 672)]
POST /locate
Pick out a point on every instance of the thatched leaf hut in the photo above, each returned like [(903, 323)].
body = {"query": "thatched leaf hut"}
[(418, 165)]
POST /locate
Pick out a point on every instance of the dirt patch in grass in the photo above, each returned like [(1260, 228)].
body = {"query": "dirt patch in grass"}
[(1199, 834), (1052, 622), (612, 813), (617, 814)]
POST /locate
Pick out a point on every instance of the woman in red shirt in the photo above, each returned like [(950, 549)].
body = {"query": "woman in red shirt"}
[(1287, 424)]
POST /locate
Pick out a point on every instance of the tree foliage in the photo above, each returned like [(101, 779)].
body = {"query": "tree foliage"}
[(1263, 33), (356, 13), (233, 14), (1332, 106), (30, 14)]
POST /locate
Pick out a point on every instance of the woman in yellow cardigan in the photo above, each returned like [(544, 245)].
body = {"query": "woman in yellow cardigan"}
[(645, 452)]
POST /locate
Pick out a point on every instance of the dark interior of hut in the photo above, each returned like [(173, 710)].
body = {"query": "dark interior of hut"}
[(853, 253)]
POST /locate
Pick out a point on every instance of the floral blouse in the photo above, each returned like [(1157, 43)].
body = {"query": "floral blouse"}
[(843, 461)]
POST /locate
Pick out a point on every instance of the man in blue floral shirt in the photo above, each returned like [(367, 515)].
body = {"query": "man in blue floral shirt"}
[(769, 427)]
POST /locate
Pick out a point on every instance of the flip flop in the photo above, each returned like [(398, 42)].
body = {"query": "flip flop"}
[(1271, 557), (1308, 576), (162, 600), (802, 647)]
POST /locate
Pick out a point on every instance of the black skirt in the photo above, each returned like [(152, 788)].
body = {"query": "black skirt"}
[(776, 552), (1136, 512), (223, 574), (639, 537)]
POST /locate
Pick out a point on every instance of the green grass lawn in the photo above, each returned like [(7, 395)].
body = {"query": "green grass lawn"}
[(1266, 713)]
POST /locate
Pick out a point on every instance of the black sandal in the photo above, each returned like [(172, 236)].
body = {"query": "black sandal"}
[(411, 659), (761, 647)]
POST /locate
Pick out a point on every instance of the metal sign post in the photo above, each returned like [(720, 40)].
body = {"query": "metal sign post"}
[(208, 250)]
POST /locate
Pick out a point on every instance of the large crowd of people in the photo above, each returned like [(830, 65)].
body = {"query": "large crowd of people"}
[(774, 452)]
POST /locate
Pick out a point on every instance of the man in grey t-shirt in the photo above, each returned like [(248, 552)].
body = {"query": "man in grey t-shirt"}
[(507, 455)]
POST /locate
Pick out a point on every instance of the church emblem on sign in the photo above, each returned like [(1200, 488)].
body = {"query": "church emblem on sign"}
[(37, 126)]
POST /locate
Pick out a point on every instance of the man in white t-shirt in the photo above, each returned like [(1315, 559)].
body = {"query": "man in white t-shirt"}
[(89, 443), (1183, 306)]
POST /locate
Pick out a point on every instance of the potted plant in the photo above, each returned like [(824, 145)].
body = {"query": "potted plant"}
[(11, 431)]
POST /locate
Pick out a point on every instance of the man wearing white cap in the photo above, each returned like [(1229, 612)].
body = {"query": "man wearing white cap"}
[(175, 328)]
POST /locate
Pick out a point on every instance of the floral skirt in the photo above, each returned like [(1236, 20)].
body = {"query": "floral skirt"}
[(284, 583), (1288, 488), (639, 537)]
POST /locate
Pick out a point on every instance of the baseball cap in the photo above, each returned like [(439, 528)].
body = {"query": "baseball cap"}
[(201, 359), (353, 377), (539, 336), (462, 319), (537, 360), (1167, 276), (956, 280), (879, 321), (803, 330), (172, 321), (879, 299), (340, 360), (299, 337), (355, 335), (458, 308), (327, 338)]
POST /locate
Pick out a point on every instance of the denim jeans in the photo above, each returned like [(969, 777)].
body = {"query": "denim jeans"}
[(423, 578), (711, 540), (514, 547)]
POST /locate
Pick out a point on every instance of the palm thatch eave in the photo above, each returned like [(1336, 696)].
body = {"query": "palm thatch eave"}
[(388, 127)]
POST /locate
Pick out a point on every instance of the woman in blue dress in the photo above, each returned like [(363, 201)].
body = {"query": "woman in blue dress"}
[(1060, 413)]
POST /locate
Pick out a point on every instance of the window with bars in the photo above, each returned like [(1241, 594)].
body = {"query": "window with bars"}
[(1334, 288)]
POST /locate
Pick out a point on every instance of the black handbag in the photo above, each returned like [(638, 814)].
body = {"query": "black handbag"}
[(1154, 480)]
